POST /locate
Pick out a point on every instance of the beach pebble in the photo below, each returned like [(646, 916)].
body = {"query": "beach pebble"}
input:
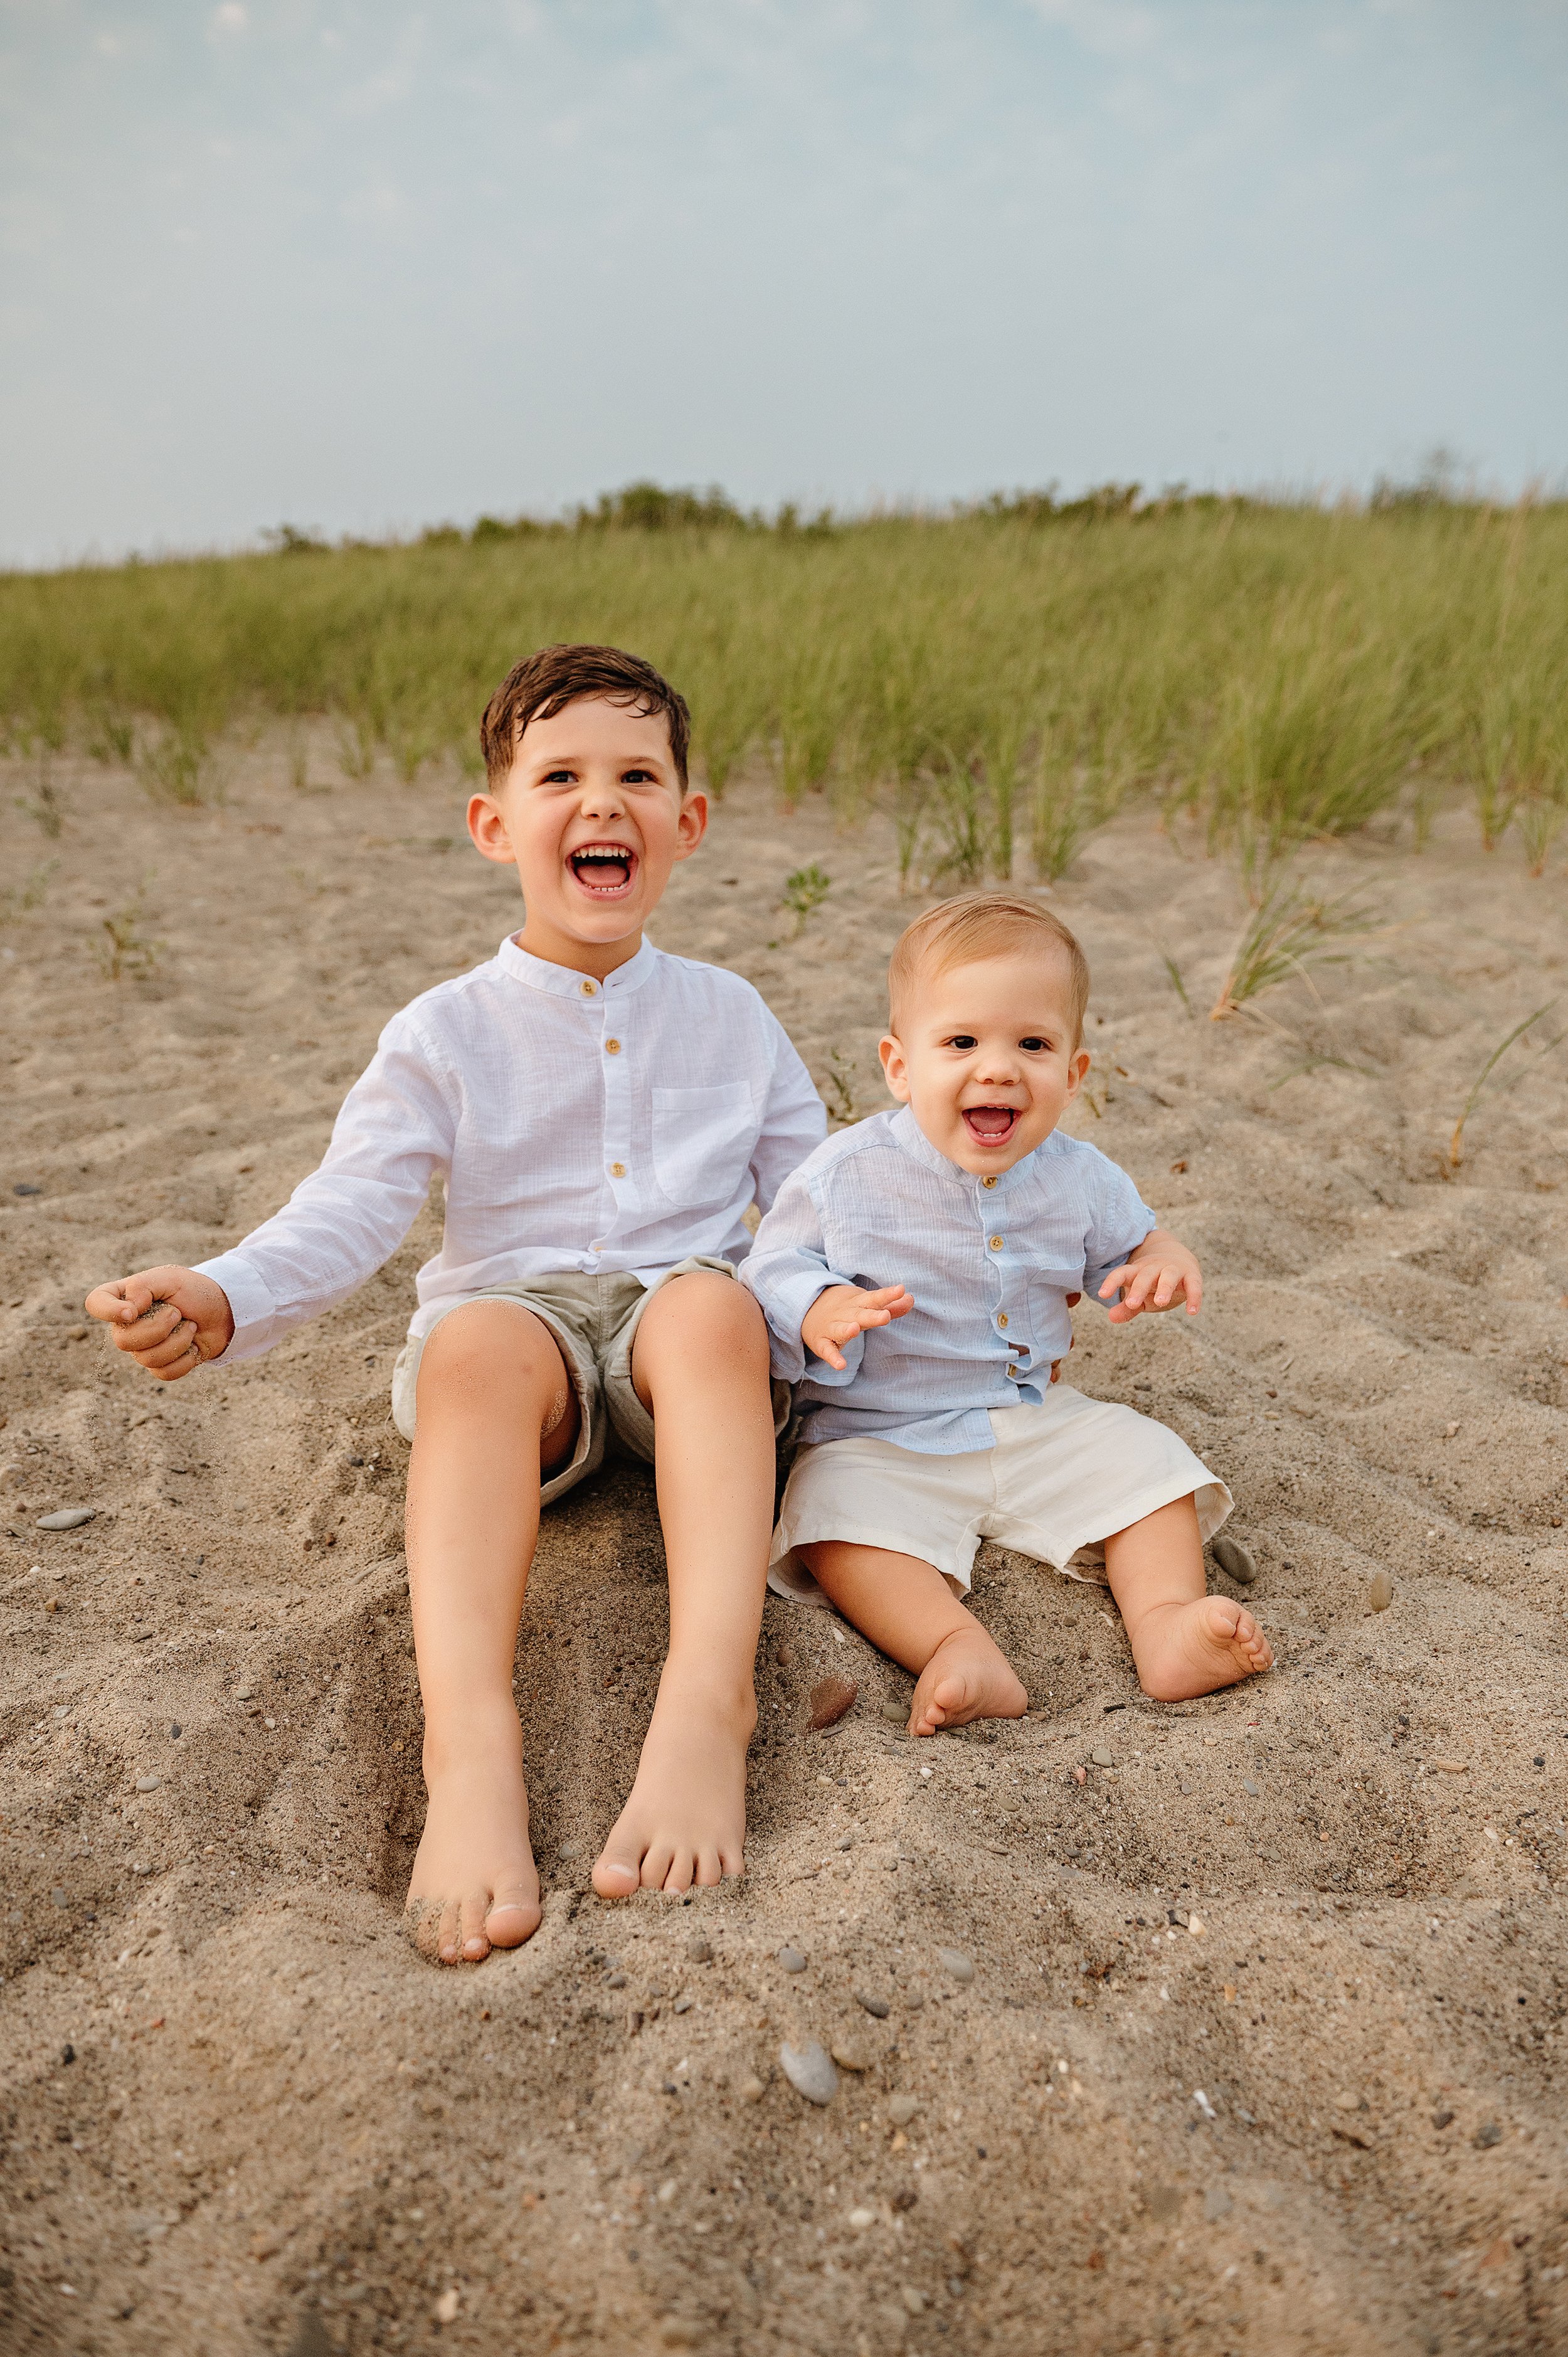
[(615, 1980), (243, 1693), (1235, 1561), (809, 2070), (901, 2109), (69, 1518), (448, 2304), (569, 1849), (954, 1961), (699, 1950), (1488, 2135), (830, 1698), (895, 1714), (844, 1841), (875, 2005), (58, 1898), (1380, 1591), (859, 2220), (752, 2090), (848, 2055), (148, 1783), (1217, 2203), (1101, 1757), (1249, 1785), (791, 1959)]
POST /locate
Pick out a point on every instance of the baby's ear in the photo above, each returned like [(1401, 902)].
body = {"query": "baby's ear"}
[(895, 1068)]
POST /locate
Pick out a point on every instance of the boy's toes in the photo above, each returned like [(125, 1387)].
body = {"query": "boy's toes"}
[(473, 1946), (513, 1918), (423, 1921), (617, 1870)]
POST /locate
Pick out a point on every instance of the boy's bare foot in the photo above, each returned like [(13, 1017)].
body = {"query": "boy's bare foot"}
[(685, 1820), (1195, 1648), (474, 1886), (967, 1677)]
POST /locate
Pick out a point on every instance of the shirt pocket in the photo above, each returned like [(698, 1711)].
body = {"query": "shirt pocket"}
[(702, 1140)]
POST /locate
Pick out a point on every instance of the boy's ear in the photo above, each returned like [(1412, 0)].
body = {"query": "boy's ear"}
[(487, 826), (691, 824), (895, 1068)]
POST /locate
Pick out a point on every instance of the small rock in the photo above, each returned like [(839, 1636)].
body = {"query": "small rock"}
[(1441, 2119), (914, 2300), (448, 2304), (698, 1950), (849, 2056), (875, 2005), (955, 1963), (901, 2109), (569, 1849), (58, 1898), (752, 2090), (785, 1656), (1450, 1767), (859, 2220), (27, 1188), (1250, 1784), (1380, 1591), (1235, 1561), (243, 1693), (1489, 2134), (1101, 1757), (1217, 2203), (809, 2070), (615, 1980), (148, 1783), (69, 1518), (1344, 2103), (791, 1960), (830, 1698), (845, 1841), (683, 2005), (895, 1714)]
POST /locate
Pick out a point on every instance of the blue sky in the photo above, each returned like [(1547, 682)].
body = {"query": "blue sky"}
[(364, 266)]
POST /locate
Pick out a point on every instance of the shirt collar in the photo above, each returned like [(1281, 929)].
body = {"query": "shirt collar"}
[(564, 981), (912, 1138)]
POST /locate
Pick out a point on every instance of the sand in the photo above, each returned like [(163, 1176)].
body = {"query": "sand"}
[(1259, 2049)]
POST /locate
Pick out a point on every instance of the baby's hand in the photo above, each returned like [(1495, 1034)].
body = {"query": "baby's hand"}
[(845, 1310), (1160, 1271), (170, 1319)]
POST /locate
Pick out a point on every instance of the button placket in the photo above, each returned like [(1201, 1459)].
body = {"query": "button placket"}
[(615, 1062)]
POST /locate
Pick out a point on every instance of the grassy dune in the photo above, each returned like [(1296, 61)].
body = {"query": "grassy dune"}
[(1004, 678)]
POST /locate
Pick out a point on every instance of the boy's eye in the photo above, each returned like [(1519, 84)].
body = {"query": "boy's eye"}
[(637, 778), (559, 777)]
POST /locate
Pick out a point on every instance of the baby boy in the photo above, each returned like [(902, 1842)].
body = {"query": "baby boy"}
[(917, 1272)]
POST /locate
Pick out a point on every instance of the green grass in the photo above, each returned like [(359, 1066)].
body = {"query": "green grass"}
[(1004, 678)]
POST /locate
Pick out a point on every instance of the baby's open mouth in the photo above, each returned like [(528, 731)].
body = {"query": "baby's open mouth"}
[(605, 869), (991, 1124)]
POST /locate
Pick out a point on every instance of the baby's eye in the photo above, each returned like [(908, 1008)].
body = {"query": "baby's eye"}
[(1033, 1045), (963, 1039)]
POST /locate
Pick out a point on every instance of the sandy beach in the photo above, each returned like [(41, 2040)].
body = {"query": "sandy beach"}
[(1222, 2027)]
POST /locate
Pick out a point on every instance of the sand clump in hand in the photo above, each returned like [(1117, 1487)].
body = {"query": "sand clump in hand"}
[(1258, 2040)]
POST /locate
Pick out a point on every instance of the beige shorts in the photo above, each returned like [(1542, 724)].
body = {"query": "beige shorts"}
[(1058, 1480), (595, 1322)]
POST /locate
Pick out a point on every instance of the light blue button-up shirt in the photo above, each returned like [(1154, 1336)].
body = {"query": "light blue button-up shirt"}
[(990, 1263)]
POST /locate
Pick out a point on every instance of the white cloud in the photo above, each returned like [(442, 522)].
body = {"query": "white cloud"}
[(230, 20)]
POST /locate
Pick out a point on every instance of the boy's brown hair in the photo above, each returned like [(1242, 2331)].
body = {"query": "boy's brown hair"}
[(979, 925), (546, 682)]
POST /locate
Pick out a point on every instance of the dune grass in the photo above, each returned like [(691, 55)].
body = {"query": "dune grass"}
[(1004, 677)]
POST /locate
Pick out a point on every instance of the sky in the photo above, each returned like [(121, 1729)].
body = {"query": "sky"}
[(360, 267)]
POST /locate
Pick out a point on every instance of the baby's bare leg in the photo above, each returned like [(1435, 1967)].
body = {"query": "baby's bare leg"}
[(905, 1608), (699, 1366), (1183, 1641), (491, 1381)]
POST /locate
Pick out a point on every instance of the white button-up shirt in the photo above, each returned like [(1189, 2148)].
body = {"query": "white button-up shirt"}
[(580, 1127), (990, 1263)]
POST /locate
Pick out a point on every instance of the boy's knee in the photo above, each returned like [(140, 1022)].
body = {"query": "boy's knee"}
[(715, 1310), (487, 1349)]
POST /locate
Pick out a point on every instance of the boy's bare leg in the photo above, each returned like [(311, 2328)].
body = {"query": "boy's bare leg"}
[(700, 1364), (1183, 1641), (491, 1380), (907, 1609)]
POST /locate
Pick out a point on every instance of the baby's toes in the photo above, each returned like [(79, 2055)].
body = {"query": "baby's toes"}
[(422, 1923), (513, 1917), (473, 1945)]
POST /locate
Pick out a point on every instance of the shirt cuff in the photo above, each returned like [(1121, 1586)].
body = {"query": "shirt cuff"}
[(785, 1307), (250, 1305)]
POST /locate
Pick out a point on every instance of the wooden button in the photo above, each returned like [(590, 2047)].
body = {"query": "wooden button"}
[(587, 989), (1001, 1318), (988, 1182), (618, 1170), (995, 1243), (612, 1047)]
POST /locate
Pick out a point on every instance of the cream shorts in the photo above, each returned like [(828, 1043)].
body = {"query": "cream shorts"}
[(595, 1322), (1057, 1478)]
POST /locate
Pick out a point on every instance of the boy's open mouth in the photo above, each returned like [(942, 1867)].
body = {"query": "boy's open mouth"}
[(991, 1124), (605, 869)]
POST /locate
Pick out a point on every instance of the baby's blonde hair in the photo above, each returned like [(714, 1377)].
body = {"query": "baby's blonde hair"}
[(978, 925)]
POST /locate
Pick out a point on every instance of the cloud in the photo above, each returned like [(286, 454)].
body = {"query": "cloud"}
[(230, 21)]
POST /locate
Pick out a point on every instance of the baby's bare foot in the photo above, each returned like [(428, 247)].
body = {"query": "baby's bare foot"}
[(1182, 1649), (967, 1677), (474, 1886), (685, 1820)]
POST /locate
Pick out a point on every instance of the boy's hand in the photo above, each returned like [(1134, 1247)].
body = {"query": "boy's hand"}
[(1162, 1271), (845, 1310), (170, 1319)]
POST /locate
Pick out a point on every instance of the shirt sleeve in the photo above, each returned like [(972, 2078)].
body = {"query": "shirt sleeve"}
[(393, 1133), (794, 1118), (1119, 1220), (785, 1268)]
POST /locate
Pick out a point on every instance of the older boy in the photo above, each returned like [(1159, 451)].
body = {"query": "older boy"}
[(603, 1115), (917, 1272)]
